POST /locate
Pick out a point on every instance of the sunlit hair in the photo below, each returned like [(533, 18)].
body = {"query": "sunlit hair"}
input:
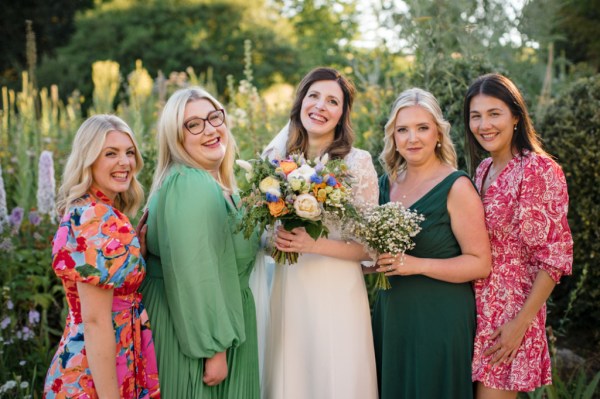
[(390, 158), (171, 134), (344, 134), (87, 147), (498, 86)]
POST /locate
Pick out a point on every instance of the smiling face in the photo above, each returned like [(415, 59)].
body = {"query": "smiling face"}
[(207, 148), (322, 108), (112, 171), (492, 124), (416, 134)]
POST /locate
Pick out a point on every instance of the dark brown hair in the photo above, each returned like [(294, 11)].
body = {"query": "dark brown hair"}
[(344, 134), (498, 86)]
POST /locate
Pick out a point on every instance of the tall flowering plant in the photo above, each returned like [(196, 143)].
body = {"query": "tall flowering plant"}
[(297, 193), (388, 228)]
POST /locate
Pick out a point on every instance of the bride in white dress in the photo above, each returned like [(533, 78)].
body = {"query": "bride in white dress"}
[(319, 343)]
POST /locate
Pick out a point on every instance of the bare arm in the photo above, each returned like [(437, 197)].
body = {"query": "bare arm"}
[(468, 225), (100, 342), (299, 241), (510, 335)]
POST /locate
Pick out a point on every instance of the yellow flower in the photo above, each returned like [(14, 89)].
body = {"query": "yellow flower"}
[(270, 185)]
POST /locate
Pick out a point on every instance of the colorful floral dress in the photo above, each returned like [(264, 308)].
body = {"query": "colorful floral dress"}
[(96, 244), (526, 217)]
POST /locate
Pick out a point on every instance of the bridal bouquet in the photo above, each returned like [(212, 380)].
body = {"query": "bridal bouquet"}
[(388, 228), (296, 192)]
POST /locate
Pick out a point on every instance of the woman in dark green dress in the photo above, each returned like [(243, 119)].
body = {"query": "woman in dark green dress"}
[(424, 325), (197, 290)]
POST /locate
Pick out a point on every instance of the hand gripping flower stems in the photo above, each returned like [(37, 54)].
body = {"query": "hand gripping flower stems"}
[(295, 192), (388, 229)]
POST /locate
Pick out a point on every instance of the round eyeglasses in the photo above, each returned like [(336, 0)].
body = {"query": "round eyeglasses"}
[(197, 125)]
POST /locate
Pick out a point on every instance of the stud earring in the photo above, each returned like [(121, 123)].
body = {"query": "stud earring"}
[(439, 145)]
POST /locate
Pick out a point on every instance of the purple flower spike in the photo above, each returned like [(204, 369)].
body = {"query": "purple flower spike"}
[(34, 317), (16, 217), (34, 218)]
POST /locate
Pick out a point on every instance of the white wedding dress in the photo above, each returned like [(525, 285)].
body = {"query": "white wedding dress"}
[(319, 343)]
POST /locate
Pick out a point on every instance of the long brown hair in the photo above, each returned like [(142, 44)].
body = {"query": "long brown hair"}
[(499, 86), (344, 134)]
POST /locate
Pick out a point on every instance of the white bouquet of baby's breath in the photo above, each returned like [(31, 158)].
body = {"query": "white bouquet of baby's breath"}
[(388, 228)]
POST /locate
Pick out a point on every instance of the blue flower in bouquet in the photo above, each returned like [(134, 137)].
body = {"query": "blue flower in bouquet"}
[(316, 179), (331, 181)]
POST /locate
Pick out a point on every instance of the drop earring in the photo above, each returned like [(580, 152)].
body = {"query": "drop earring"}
[(439, 145), (515, 129)]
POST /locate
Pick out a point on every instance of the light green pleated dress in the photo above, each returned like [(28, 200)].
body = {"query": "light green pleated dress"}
[(196, 289)]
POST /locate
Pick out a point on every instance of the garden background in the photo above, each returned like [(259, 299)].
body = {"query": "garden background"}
[(63, 60)]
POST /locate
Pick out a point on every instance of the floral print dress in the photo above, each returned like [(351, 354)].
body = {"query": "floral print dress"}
[(96, 244), (526, 217)]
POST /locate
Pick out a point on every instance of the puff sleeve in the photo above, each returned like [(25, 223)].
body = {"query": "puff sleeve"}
[(95, 244), (198, 263), (543, 203)]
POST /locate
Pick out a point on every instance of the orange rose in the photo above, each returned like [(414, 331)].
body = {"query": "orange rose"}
[(288, 166), (277, 208), (317, 187)]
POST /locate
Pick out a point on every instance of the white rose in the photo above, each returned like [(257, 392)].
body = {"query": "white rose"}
[(270, 185), (304, 172), (307, 207)]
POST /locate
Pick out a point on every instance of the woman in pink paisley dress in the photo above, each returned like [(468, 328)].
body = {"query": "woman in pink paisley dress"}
[(525, 198), (106, 350)]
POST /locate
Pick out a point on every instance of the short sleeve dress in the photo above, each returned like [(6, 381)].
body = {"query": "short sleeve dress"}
[(96, 244), (197, 290), (526, 217), (424, 328)]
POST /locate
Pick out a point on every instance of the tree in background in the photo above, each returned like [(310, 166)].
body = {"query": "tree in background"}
[(52, 22), (323, 31), (171, 37)]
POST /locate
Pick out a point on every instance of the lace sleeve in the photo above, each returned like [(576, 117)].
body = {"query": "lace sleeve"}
[(365, 188)]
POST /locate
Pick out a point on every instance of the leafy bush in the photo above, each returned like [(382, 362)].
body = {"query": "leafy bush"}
[(169, 37), (570, 128)]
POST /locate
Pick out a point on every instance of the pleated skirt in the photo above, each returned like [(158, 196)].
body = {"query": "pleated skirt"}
[(181, 376)]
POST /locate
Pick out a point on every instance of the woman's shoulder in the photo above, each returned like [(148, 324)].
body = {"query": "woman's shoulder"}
[(188, 178), (357, 153)]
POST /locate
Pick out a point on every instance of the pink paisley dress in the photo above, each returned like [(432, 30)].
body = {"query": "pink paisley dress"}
[(96, 244), (526, 217)]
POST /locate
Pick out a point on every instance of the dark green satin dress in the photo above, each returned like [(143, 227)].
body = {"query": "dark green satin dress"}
[(424, 328)]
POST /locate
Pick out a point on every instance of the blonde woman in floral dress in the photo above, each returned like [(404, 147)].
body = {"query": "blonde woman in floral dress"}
[(106, 350), (525, 198)]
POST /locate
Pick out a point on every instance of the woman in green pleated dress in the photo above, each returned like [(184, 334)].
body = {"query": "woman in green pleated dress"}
[(424, 325), (196, 289)]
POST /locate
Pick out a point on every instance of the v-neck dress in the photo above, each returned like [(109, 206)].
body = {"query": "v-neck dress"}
[(526, 217), (424, 328), (197, 291)]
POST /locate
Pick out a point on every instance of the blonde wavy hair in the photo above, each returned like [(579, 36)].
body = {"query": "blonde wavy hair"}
[(87, 146), (171, 134), (390, 158)]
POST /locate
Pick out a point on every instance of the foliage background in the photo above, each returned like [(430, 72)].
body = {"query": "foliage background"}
[(80, 57)]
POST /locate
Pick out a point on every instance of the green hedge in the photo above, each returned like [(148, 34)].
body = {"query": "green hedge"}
[(570, 128)]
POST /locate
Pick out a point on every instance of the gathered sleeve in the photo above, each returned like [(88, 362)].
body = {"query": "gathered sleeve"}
[(544, 203), (95, 244), (199, 264), (365, 188)]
